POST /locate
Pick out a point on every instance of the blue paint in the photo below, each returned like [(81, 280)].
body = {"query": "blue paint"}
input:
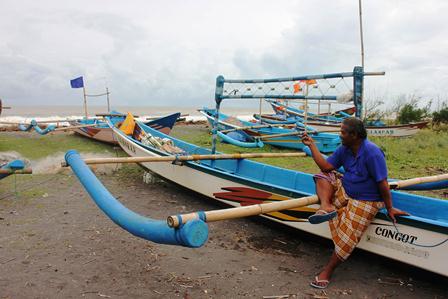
[(256, 143), (13, 165), (193, 234), (326, 142), (292, 183), (34, 125)]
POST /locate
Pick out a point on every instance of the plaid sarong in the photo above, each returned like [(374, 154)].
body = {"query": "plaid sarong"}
[(354, 216)]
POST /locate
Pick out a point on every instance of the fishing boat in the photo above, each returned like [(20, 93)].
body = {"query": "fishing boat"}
[(420, 240), (286, 138), (331, 125)]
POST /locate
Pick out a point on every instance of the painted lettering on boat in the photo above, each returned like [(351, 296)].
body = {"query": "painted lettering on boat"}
[(397, 236), (381, 132), (125, 144)]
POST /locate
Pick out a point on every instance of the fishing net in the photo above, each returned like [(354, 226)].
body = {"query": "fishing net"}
[(339, 89)]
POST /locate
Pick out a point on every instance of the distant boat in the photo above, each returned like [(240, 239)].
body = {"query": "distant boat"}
[(100, 131), (326, 143), (330, 125)]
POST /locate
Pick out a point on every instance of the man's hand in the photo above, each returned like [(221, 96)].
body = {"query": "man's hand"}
[(392, 212), (307, 140)]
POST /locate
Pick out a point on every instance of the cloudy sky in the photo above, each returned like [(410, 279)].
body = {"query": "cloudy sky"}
[(170, 52)]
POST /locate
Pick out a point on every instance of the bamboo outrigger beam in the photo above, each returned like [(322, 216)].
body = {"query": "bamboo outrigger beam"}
[(253, 127), (74, 127), (258, 209), (280, 135), (416, 181), (187, 158), (239, 212), (18, 171)]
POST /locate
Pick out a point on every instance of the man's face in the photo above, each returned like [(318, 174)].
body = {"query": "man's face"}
[(347, 139)]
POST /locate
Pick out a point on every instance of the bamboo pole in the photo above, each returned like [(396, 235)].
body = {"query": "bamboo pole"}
[(43, 121), (239, 212), (18, 171), (74, 127), (188, 158), (280, 135), (252, 127), (257, 209), (416, 181), (85, 100)]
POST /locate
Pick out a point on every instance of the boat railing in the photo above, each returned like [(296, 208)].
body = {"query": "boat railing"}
[(325, 87)]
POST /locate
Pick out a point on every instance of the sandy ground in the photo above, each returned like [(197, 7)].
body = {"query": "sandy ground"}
[(55, 243)]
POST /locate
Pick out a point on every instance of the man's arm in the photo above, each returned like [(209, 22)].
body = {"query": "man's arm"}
[(323, 164), (387, 198)]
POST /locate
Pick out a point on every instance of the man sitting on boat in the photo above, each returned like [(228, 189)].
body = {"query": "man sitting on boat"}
[(349, 202)]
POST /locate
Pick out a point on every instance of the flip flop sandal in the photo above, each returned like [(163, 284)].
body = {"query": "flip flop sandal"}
[(322, 216), (319, 283)]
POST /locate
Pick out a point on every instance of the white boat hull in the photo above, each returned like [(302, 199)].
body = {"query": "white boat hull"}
[(388, 131), (381, 237)]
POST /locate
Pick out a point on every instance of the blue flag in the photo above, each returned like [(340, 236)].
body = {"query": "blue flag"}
[(77, 82)]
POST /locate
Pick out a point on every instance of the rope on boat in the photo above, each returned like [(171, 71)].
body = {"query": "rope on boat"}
[(415, 244)]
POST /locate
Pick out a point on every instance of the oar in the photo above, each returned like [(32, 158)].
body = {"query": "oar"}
[(18, 171), (257, 209), (188, 158)]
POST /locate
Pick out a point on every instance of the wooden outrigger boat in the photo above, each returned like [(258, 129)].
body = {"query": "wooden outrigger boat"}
[(286, 137), (322, 125), (99, 130), (96, 128), (420, 240)]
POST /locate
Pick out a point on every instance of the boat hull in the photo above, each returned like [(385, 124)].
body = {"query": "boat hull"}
[(326, 143), (223, 186), (387, 131), (102, 132), (99, 134)]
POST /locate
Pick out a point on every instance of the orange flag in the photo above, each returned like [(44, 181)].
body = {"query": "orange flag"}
[(297, 87), (128, 125)]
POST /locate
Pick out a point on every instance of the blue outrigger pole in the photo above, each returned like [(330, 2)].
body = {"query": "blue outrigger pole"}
[(192, 234), (357, 74)]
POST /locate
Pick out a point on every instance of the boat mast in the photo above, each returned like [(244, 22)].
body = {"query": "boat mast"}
[(359, 114), (108, 103), (362, 38), (85, 100)]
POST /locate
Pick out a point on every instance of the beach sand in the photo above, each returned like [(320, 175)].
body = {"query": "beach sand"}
[(55, 243)]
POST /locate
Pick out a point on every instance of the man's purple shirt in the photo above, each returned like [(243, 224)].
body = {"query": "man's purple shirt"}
[(363, 172)]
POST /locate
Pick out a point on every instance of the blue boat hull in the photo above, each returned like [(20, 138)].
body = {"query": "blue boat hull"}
[(326, 142), (424, 235)]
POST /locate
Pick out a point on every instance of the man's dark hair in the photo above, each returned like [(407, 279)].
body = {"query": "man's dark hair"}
[(355, 126)]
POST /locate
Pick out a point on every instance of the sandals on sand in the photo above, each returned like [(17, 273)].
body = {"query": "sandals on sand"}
[(321, 216), (319, 283)]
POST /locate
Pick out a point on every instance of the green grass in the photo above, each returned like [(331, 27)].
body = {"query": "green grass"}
[(421, 155), (424, 154), (202, 137), (33, 146)]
